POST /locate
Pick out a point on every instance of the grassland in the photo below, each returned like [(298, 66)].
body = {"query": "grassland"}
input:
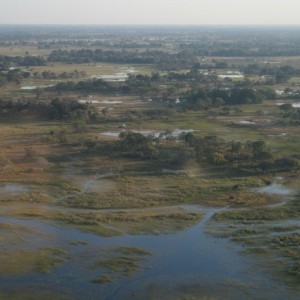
[(23, 50)]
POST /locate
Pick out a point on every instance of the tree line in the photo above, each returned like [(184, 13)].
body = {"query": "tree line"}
[(54, 109), (247, 157), (25, 61)]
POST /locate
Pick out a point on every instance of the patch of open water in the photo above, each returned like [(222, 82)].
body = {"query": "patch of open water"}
[(276, 189), (117, 77), (294, 104), (34, 87), (231, 76), (186, 258), (92, 101), (162, 134), (13, 188), (247, 122)]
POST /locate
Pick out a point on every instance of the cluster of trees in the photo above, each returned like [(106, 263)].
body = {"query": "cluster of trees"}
[(138, 84), (242, 49), (62, 75), (148, 44), (25, 61), (246, 41), (14, 76), (91, 85), (290, 114), (250, 156), (163, 59), (173, 86), (205, 98), (65, 110), (280, 74), (192, 76), (203, 41), (136, 145), (15, 107), (55, 109)]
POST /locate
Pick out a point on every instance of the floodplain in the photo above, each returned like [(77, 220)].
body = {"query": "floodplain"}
[(167, 183)]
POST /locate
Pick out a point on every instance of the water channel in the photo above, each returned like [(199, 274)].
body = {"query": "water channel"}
[(188, 262), (180, 263)]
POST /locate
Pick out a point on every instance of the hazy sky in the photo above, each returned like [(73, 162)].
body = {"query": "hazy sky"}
[(149, 11)]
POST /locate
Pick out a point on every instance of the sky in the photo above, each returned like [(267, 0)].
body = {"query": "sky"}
[(186, 12)]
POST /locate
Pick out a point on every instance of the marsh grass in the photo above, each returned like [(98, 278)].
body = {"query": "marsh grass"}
[(27, 261), (266, 233), (147, 190), (135, 222), (122, 262), (103, 279), (18, 257)]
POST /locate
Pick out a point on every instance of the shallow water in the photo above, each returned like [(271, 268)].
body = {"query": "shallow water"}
[(295, 104), (188, 259), (117, 77), (13, 188), (113, 77), (247, 122), (111, 133), (34, 87), (174, 133), (275, 189), (231, 76), (99, 102)]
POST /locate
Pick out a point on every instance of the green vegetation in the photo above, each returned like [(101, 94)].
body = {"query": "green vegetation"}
[(26, 261), (267, 232), (124, 261)]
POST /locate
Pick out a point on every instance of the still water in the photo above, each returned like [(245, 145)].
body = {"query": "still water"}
[(188, 262)]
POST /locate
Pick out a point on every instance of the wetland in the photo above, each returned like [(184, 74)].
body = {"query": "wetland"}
[(149, 174)]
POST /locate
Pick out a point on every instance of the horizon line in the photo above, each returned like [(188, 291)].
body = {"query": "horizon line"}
[(152, 24)]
